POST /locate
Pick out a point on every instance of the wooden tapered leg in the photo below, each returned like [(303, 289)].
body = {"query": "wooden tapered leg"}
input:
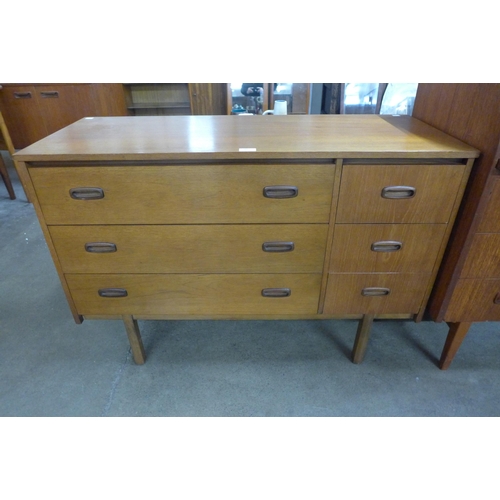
[(134, 337), (456, 335), (5, 176), (362, 337)]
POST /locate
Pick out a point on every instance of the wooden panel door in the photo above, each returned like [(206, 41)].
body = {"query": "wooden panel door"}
[(109, 99), (207, 98), (61, 105), (21, 113)]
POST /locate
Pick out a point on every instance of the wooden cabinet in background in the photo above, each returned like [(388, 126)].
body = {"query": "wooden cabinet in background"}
[(161, 99), (467, 288), (34, 111)]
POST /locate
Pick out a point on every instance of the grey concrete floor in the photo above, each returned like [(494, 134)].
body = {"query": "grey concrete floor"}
[(49, 366)]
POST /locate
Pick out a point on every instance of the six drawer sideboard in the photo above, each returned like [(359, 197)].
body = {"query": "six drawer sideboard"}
[(254, 217)]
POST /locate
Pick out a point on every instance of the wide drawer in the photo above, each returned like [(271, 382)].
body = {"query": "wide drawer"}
[(398, 193), (483, 259), (379, 248), (185, 194), (202, 294), (475, 300), (248, 248), (375, 293)]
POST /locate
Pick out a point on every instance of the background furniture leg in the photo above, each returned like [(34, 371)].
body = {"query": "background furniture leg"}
[(5, 176), (134, 337), (456, 335), (362, 337)]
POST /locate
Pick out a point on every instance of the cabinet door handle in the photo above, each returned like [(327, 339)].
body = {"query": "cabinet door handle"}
[(398, 192), (100, 247), (86, 193), (22, 95), (496, 300), (280, 192), (112, 292), (276, 292), (386, 246), (278, 246), (375, 291), (51, 93)]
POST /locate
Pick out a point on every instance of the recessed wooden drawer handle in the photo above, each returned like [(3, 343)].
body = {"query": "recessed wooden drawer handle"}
[(276, 292), (86, 193), (22, 95), (375, 291), (52, 93), (398, 192), (496, 300), (278, 246), (280, 192), (100, 247), (112, 292), (386, 246)]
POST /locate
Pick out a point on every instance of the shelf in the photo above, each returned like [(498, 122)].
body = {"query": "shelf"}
[(152, 105)]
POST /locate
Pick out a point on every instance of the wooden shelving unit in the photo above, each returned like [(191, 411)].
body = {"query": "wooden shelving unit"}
[(158, 98)]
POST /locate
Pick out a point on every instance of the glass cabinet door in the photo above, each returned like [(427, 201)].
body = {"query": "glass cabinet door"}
[(255, 98), (378, 98), (250, 98), (399, 99), (297, 96), (359, 98)]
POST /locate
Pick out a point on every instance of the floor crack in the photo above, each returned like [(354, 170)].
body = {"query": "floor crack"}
[(115, 383)]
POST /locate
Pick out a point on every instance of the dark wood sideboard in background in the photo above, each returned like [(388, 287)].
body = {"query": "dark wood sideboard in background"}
[(467, 288)]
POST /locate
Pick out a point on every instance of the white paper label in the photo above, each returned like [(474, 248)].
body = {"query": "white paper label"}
[(247, 149)]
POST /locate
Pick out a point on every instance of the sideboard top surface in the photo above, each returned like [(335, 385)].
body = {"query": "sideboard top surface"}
[(245, 138)]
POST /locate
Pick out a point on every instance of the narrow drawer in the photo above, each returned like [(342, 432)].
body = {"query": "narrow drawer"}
[(184, 194), (490, 222), (483, 259), (246, 248), (383, 248), (202, 294), (475, 300), (375, 293), (398, 193)]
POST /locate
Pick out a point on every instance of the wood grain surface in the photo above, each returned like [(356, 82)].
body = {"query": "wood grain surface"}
[(246, 137)]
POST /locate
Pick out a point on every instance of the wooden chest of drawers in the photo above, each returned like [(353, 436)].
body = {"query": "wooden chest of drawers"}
[(468, 286), (247, 217)]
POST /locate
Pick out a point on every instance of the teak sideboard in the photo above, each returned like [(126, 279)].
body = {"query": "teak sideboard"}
[(467, 288), (247, 217)]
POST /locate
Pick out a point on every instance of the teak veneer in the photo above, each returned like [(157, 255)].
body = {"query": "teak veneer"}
[(467, 288), (256, 217)]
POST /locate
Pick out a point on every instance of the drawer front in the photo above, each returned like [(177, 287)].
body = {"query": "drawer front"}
[(475, 300), (382, 248), (398, 193), (204, 194), (246, 248), (490, 222), (201, 294), (483, 259), (375, 293)]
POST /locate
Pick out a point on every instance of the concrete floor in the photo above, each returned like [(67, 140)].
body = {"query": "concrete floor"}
[(49, 366)]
